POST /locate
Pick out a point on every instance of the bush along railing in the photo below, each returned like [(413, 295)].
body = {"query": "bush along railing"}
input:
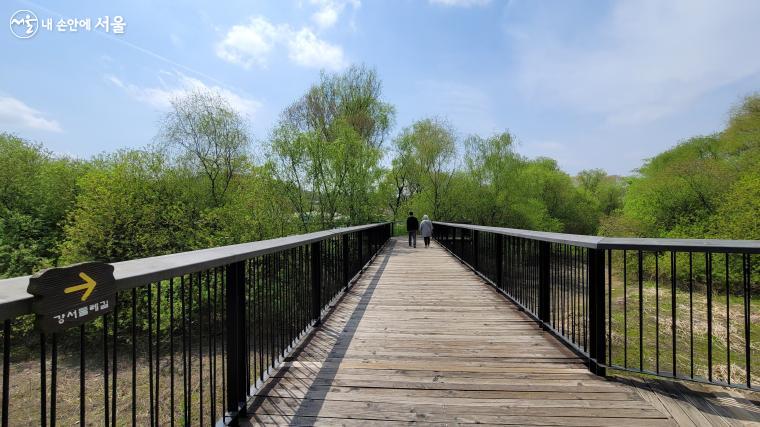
[(184, 339), (677, 308)]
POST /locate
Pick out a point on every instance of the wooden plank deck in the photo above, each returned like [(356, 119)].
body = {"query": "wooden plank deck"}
[(421, 339)]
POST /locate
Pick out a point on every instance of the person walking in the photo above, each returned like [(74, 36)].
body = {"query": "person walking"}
[(412, 224), (426, 229)]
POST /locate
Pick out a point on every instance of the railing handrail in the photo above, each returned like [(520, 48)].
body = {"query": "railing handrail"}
[(16, 301), (633, 243)]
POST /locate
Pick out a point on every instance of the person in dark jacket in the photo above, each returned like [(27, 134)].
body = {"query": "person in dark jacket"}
[(412, 224)]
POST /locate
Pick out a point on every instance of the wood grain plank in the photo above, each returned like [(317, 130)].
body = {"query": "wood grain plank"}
[(420, 339)]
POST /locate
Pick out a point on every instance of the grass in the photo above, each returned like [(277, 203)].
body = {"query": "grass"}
[(25, 381), (648, 343), (655, 330)]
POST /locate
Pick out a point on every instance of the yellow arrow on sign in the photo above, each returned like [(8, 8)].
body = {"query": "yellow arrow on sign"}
[(88, 286)]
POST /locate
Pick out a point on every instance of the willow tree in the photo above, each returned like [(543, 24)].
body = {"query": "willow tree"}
[(352, 97), (429, 146), (209, 137), (326, 149)]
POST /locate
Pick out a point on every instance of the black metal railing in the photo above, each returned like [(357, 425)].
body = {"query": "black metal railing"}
[(192, 336), (677, 308)]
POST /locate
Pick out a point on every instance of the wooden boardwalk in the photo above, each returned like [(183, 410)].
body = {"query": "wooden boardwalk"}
[(421, 339)]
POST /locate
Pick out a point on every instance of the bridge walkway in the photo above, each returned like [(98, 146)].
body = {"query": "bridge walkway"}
[(421, 339)]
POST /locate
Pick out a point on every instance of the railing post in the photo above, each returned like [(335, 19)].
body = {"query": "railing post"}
[(315, 252), (499, 261), (476, 250), (346, 260), (360, 238), (596, 312), (236, 342), (544, 290), (460, 242)]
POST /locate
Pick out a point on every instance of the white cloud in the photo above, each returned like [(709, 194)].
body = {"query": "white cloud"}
[(325, 17), (251, 44), (460, 3), (645, 60), (306, 49), (16, 114), (329, 11), (176, 84)]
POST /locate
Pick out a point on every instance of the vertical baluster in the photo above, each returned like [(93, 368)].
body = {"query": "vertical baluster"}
[(235, 344), (673, 307), (43, 381), (200, 346), (185, 386), (544, 250), (134, 364), (596, 311), (708, 269), (190, 387), (260, 311), (6, 370), (625, 309), (54, 379), (657, 311), (151, 403), (222, 299), (211, 349), (691, 315), (158, 350), (609, 306), (171, 352), (641, 310), (114, 355), (728, 323), (747, 271)]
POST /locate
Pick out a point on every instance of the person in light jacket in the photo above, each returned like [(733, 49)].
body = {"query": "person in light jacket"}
[(426, 229)]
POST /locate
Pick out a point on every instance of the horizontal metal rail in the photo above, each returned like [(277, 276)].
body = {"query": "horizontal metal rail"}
[(598, 242), (16, 301)]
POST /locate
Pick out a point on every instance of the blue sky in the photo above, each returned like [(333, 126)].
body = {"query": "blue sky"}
[(589, 83)]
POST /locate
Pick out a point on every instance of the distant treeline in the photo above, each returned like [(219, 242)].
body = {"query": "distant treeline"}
[(206, 183)]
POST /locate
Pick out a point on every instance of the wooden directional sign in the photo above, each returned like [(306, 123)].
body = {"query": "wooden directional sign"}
[(69, 296)]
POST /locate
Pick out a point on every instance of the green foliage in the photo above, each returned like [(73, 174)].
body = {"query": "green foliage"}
[(353, 96), (738, 216), (567, 208), (255, 210), (202, 188), (38, 189), (326, 150), (131, 205), (608, 191), (705, 186), (680, 187), (428, 149), (500, 187), (210, 137)]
